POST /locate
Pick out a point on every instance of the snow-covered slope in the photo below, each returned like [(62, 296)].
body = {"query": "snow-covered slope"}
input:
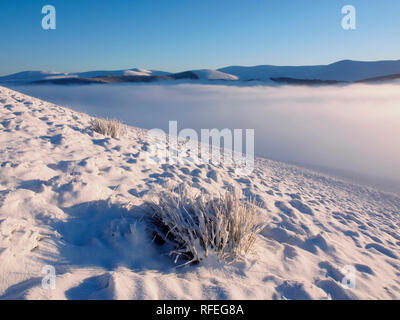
[(208, 74), (138, 72), (63, 196), (129, 72), (345, 70)]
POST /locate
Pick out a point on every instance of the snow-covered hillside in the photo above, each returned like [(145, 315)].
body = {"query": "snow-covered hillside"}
[(208, 74), (63, 197), (129, 72), (346, 70)]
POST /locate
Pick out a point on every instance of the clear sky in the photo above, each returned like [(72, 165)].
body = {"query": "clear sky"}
[(176, 35)]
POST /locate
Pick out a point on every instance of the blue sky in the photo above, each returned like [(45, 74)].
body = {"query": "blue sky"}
[(174, 35)]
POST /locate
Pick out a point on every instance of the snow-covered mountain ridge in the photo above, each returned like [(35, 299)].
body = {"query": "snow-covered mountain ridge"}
[(346, 71)]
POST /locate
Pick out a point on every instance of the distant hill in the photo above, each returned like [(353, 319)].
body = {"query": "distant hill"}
[(342, 71), (346, 70), (30, 76), (119, 79), (56, 77)]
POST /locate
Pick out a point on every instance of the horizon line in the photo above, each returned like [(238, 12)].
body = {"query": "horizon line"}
[(195, 69)]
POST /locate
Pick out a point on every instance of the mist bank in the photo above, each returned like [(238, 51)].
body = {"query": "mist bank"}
[(351, 131)]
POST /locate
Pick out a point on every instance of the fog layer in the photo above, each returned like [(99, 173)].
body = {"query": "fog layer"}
[(352, 128)]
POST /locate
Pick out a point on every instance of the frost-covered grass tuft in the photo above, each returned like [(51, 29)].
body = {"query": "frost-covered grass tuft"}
[(108, 127), (196, 226)]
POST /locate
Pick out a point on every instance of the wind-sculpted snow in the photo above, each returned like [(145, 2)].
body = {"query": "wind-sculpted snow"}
[(64, 195)]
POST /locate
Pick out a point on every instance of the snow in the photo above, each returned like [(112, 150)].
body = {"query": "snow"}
[(208, 74), (137, 72), (356, 125), (64, 192), (129, 72)]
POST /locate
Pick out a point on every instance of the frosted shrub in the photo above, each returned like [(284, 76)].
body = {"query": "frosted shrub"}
[(194, 226), (107, 127)]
